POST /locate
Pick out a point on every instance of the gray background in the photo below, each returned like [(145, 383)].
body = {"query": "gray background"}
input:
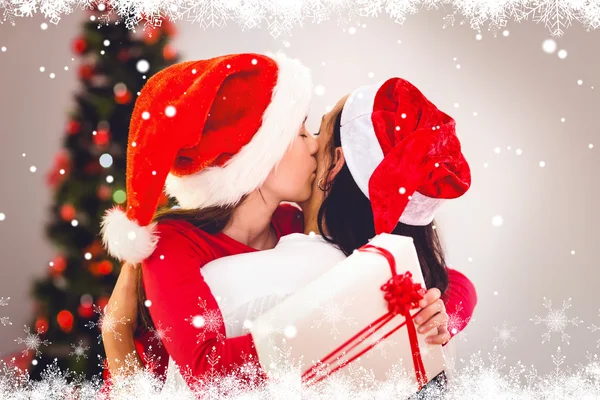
[(519, 92)]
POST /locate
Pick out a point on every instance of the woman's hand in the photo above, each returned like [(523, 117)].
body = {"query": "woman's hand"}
[(118, 338), (433, 315)]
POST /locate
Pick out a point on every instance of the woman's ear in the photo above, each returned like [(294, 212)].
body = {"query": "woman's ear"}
[(336, 165)]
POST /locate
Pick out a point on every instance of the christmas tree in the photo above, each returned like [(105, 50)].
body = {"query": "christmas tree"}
[(116, 59)]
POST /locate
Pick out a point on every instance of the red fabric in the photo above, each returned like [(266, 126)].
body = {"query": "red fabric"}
[(424, 155), (219, 106), (174, 285), (460, 299)]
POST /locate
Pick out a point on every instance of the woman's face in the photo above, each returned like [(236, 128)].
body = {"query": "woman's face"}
[(324, 138), (292, 179)]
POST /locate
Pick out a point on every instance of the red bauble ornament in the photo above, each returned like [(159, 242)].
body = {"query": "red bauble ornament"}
[(79, 45), (104, 192), (169, 53), (62, 163), (41, 325), (123, 55), (95, 249), (93, 168), (68, 212), (73, 127), (151, 36), (123, 97), (169, 28), (86, 72), (58, 265), (65, 320), (102, 137), (86, 311), (101, 268)]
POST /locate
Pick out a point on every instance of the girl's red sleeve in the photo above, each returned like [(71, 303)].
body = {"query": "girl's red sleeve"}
[(174, 284), (460, 299)]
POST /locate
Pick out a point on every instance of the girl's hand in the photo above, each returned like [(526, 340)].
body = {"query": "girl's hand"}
[(433, 315)]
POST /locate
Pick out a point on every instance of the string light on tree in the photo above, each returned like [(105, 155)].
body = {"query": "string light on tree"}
[(106, 160)]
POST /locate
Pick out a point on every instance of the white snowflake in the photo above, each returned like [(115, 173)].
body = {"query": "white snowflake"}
[(208, 13), (281, 15), (79, 350), (382, 346), (334, 314), (595, 328), (456, 322), (210, 321), (4, 320), (160, 334), (32, 342), (107, 323), (556, 320), (504, 334)]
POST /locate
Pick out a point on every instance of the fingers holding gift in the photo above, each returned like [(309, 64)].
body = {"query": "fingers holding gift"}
[(436, 318), (442, 337), (428, 312), (430, 297)]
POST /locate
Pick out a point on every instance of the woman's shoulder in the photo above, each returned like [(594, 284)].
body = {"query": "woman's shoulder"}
[(288, 219), (180, 236)]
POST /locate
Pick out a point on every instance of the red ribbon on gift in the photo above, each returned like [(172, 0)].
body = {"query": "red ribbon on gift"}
[(402, 295)]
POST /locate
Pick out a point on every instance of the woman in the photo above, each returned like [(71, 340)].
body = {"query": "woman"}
[(341, 211), (227, 136)]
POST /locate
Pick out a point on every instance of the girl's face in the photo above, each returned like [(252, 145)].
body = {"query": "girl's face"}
[(324, 138), (292, 179)]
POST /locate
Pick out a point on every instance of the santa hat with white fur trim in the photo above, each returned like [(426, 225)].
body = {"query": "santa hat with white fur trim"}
[(212, 130), (402, 152)]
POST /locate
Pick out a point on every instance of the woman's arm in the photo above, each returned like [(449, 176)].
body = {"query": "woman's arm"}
[(119, 343)]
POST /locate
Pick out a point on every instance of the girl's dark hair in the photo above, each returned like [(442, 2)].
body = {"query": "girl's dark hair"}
[(211, 220), (347, 214)]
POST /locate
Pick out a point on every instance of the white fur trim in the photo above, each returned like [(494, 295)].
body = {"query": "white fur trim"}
[(125, 239), (363, 153), (247, 170)]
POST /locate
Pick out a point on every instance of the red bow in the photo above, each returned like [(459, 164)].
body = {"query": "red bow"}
[(402, 294)]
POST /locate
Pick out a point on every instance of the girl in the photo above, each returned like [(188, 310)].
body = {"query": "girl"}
[(341, 211), (213, 131)]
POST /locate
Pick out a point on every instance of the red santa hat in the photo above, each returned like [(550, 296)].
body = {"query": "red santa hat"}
[(402, 152), (212, 130)]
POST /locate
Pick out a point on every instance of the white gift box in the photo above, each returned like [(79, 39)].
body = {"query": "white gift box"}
[(325, 314)]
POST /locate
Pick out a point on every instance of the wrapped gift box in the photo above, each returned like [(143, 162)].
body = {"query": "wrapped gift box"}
[(347, 299)]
